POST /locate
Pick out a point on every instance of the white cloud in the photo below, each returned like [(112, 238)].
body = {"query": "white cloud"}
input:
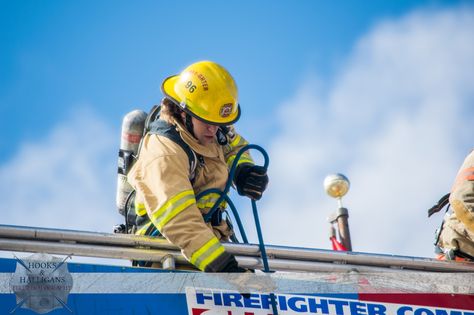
[(65, 180), (397, 121)]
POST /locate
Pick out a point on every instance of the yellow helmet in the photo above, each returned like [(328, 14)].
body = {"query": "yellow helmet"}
[(205, 90)]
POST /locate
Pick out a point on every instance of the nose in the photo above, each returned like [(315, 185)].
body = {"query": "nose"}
[(212, 128)]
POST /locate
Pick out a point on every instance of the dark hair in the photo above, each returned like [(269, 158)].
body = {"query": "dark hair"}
[(170, 109)]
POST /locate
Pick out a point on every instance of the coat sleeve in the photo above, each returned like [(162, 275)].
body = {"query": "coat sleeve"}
[(462, 193), (235, 143), (161, 178)]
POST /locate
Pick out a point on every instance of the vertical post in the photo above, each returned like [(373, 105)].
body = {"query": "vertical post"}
[(168, 262), (343, 228), (336, 186)]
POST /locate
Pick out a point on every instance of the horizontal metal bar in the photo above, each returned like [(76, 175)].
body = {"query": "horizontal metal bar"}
[(356, 258), (24, 232), (307, 266), (115, 252), (298, 255), (100, 251)]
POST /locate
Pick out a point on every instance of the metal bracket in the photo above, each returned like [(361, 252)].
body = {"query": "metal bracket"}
[(340, 212), (168, 262)]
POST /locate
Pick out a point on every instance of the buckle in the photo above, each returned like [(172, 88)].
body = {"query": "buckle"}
[(216, 217)]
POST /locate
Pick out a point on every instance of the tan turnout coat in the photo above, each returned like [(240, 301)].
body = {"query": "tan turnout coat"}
[(458, 227), (166, 197)]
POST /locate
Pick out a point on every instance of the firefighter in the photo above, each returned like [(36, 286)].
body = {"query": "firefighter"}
[(456, 239), (200, 106)]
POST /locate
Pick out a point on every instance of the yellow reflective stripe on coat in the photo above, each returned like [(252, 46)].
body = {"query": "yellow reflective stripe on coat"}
[(172, 207), (209, 200), (140, 209), (207, 253), (238, 141), (143, 229), (244, 158)]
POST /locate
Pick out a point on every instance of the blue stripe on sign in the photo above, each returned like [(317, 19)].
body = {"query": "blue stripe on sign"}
[(8, 265), (86, 268), (109, 304)]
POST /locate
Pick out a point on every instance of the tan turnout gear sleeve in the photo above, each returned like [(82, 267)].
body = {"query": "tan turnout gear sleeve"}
[(462, 193), (235, 143), (161, 179)]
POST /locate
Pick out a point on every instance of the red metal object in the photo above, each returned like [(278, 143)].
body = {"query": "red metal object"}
[(336, 245)]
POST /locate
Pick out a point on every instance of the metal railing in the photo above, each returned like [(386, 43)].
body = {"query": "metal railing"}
[(281, 258)]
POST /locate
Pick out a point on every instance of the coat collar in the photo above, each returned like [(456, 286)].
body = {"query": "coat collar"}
[(211, 150)]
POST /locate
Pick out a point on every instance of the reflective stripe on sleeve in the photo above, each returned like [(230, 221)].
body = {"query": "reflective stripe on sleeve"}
[(143, 229), (209, 200), (244, 158), (465, 174), (205, 255), (172, 207), (140, 209), (238, 141)]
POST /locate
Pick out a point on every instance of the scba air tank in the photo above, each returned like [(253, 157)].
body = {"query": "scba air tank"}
[(132, 132)]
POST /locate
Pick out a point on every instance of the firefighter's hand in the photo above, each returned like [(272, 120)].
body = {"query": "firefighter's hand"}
[(231, 265), (251, 180)]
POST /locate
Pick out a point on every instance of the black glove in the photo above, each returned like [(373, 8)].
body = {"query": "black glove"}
[(251, 180), (234, 269), (225, 263), (231, 265)]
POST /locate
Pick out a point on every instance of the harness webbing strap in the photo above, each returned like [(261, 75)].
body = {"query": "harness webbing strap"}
[(440, 205), (165, 129), (458, 253)]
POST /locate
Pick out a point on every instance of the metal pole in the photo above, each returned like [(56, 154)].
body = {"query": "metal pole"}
[(93, 244), (343, 227), (341, 218), (116, 252)]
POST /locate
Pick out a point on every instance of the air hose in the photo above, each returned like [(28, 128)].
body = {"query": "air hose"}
[(223, 196)]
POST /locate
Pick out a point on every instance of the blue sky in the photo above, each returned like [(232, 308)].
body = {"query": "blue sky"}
[(381, 92), (114, 54)]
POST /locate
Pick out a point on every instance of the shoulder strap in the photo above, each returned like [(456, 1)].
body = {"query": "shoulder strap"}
[(152, 116), (440, 205), (162, 128)]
